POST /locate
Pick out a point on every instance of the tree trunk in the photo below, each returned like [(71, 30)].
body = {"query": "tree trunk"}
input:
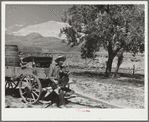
[(110, 59), (119, 62), (109, 65)]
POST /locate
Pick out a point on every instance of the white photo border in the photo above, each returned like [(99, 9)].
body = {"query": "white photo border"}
[(33, 114)]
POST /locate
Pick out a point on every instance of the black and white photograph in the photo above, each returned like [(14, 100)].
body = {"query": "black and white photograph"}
[(83, 60)]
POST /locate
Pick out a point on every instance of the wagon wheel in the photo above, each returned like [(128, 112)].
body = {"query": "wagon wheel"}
[(10, 83), (30, 88)]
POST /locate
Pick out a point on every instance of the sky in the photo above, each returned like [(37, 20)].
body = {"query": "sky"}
[(20, 16)]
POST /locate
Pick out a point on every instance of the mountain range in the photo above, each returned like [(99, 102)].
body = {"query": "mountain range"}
[(47, 29), (48, 44), (44, 35)]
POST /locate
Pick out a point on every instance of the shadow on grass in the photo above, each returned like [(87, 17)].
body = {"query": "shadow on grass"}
[(121, 77), (102, 74), (137, 76), (90, 74)]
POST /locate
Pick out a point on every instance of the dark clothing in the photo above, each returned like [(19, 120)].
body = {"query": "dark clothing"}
[(58, 78)]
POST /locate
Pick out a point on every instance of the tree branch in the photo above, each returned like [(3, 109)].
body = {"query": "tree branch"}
[(116, 51)]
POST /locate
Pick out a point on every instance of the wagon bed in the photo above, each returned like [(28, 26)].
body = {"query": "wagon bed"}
[(15, 72)]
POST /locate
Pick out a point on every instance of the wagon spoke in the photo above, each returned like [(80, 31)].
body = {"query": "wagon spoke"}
[(36, 84), (11, 85), (14, 83), (24, 93), (33, 96), (6, 84), (35, 93), (30, 97), (29, 80), (32, 81), (36, 90)]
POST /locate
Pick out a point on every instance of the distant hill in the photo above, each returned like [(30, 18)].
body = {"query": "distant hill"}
[(9, 37), (43, 35), (47, 29), (33, 36), (51, 44)]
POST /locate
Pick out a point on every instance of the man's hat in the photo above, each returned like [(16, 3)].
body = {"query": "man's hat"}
[(62, 58)]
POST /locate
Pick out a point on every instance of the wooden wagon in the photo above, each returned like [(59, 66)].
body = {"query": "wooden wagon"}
[(28, 72)]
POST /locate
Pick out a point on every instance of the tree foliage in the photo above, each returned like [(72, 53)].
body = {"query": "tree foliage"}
[(114, 27)]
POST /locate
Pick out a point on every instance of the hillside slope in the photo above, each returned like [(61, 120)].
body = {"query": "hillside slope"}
[(51, 44)]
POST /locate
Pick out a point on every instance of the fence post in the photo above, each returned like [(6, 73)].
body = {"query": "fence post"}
[(133, 69)]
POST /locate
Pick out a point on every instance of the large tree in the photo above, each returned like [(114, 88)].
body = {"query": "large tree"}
[(117, 28)]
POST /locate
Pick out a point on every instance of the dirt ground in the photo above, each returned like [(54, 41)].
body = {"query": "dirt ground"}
[(125, 90)]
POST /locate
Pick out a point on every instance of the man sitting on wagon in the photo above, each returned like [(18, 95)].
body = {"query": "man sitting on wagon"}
[(58, 79)]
